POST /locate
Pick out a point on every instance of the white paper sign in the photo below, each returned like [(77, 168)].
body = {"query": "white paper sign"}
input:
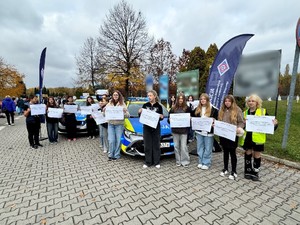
[(149, 118), (55, 112), (225, 130), (180, 120), (99, 118), (70, 108), (260, 124), (86, 110), (114, 113), (95, 107), (202, 123), (38, 109)]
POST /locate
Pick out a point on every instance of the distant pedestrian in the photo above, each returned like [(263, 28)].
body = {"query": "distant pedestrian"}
[(9, 108), (205, 140), (90, 122), (180, 134), (189, 103), (253, 142), (172, 100), (152, 135), (52, 123), (33, 123), (297, 98), (70, 121), (115, 127), (230, 113), (103, 128), (20, 104)]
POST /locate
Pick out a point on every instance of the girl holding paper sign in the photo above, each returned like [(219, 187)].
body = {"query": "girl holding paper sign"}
[(115, 127), (152, 135), (205, 139), (70, 120), (252, 142), (230, 113), (52, 123), (180, 133), (90, 122)]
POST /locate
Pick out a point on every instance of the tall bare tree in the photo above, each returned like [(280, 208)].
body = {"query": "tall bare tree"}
[(124, 41), (163, 60), (90, 70)]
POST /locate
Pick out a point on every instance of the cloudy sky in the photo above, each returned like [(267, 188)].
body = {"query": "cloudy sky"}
[(27, 26)]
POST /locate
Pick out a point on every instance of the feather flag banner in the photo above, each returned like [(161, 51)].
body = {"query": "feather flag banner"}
[(224, 67), (41, 73)]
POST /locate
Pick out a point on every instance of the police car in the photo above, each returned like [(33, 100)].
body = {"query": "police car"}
[(80, 119), (132, 142)]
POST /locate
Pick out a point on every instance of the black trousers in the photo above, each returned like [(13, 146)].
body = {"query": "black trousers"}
[(70, 126), (33, 133), (229, 148), (10, 115), (91, 127), (151, 145)]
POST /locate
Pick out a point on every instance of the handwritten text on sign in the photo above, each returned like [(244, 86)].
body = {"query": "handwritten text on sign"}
[(38, 109), (260, 124), (225, 130), (114, 113), (202, 123), (149, 118), (180, 120)]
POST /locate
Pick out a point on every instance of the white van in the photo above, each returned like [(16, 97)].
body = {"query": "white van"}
[(100, 92)]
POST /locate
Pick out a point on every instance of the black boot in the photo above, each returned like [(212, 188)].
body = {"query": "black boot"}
[(256, 167), (248, 167)]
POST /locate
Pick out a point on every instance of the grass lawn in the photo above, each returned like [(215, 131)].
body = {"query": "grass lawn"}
[(274, 142)]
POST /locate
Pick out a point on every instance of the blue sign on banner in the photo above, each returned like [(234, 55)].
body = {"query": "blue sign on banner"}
[(164, 87), (149, 82), (224, 67)]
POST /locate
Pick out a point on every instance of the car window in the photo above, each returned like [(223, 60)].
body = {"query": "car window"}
[(82, 103), (133, 109)]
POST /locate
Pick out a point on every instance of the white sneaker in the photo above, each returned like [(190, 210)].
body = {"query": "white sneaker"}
[(232, 176), (12, 124), (178, 164), (104, 151), (203, 167), (157, 166), (223, 173), (145, 166), (199, 166)]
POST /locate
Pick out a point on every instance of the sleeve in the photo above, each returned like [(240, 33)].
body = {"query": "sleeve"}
[(240, 118), (126, 114)]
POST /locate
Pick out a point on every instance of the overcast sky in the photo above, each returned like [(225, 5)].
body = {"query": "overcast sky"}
[(27, 26)]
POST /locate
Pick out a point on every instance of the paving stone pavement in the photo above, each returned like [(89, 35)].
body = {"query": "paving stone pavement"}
[(73, 183)]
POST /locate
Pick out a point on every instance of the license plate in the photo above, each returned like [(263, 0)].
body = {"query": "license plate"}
[(164, 144)]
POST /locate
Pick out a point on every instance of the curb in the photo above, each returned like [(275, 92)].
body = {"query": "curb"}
[(276, 160)]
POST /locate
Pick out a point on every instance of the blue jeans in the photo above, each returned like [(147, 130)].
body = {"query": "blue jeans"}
[(204, 149), (103, 138), (52, 130), (114, 139)]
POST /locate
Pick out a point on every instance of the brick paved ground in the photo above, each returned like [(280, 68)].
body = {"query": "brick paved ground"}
[(73, 183)]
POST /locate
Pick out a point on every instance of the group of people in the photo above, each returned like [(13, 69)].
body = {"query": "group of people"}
[(111, 131), (252, 142)]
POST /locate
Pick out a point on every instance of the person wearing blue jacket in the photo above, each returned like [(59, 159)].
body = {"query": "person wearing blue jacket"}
[(9, 108)]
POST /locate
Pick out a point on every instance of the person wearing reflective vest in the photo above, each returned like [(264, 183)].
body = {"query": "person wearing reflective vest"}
[(252, 142)]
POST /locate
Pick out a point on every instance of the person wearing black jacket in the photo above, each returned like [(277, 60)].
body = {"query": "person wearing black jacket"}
[(205, 139), (33, 124), (152, 135)]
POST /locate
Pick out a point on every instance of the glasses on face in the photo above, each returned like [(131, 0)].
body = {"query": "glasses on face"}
[(251, 101), (115, 95)]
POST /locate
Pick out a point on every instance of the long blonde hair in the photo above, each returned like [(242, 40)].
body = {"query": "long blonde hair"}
[(155, 95), (198, 110), (233, 109)]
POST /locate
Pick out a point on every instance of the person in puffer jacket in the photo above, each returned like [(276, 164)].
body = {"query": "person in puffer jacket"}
[(9, 108)]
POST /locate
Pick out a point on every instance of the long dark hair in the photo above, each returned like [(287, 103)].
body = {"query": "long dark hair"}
[(54, 102), (87, 101), (176, 106)]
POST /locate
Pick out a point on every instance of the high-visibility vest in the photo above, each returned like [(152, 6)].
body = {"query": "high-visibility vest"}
[(257, 138)]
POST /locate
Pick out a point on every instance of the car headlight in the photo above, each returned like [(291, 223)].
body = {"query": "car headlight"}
[(133, 135)]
